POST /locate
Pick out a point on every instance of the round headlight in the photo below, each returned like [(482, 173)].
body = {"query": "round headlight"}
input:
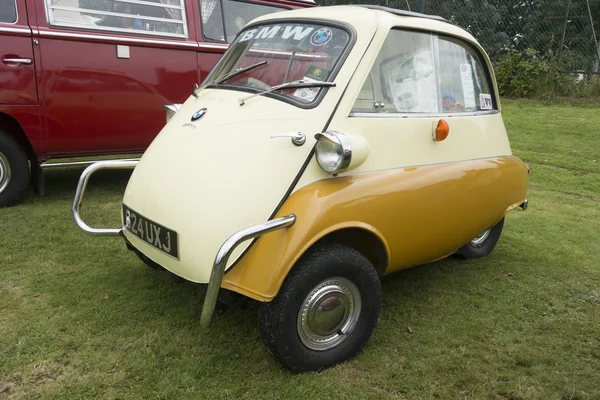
[(333, 152)]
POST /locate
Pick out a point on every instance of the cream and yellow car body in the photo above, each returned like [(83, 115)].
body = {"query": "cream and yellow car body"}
[(405, 199)]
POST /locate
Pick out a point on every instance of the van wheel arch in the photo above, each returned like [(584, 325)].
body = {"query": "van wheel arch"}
[(16, 156), (11, 126), (365, 242)]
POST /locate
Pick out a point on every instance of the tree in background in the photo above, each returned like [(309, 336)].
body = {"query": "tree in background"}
[(517, 24)]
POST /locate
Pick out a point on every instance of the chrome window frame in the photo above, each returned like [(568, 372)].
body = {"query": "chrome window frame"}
[(16, 16), (137, 32)]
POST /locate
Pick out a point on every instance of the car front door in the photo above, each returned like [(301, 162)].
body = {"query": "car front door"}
[(17, 67)]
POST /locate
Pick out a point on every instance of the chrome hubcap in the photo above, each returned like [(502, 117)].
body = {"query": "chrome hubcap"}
[(329, 314), (478, 240), (4, 172)]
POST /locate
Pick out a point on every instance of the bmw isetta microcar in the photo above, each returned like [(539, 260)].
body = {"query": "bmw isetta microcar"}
[(327, 148)]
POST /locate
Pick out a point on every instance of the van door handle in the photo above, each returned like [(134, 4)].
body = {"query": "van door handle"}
[(16, 60)]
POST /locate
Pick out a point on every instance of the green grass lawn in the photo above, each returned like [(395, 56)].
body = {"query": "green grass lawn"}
[(82, 317)]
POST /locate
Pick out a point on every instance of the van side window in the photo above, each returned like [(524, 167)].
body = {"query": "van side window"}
[(463, 83), (153, 17), (237, 14), (8, 11), (418, 72)]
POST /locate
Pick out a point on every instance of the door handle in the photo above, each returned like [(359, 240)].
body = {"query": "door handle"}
[(16, 60), (298, 138)]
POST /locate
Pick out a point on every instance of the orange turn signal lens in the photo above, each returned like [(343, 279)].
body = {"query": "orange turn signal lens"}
[(441, 130)]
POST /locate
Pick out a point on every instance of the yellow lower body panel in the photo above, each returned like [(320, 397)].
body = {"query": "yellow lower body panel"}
[(419, 214)]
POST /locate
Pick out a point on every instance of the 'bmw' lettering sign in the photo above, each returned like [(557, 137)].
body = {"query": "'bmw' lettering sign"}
[(199, 114)]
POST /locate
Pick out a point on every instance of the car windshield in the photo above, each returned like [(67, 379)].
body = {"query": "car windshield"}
[(272, 54)]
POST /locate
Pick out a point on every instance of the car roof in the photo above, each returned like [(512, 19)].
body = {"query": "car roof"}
[(361, 16), (402, 13)]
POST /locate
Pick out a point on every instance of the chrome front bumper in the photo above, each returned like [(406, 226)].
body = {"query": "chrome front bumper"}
[(82, 184), (225, 251)]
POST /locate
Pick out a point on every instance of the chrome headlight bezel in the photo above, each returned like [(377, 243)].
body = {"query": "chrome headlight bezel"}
[(342, 147)]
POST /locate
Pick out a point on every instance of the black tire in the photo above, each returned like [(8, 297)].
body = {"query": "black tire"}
[(481, 248), (278, 320), (14, 170)]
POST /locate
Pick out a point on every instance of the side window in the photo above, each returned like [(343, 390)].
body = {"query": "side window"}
[(223, 19), (8, 11), (149, 17), (418, 72), (403, 75), (464, 85)]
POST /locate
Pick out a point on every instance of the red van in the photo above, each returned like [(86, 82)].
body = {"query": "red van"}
[(91, 77)]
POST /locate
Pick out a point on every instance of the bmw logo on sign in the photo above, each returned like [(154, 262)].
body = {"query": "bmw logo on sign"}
[(199, 114), (321, 37)]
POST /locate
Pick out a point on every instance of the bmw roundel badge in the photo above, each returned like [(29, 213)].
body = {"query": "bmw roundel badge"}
[(199, 114)]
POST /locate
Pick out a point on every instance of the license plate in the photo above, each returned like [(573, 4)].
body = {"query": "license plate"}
[(156, 235)]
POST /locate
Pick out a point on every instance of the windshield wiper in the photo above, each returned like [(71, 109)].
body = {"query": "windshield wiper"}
[(240, 71), (290, 85)]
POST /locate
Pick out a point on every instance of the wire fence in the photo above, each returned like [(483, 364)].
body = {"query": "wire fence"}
[(567, 29)]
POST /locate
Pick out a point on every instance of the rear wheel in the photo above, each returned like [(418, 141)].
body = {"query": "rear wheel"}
[(484, 243), (14, 170), (325, 310)]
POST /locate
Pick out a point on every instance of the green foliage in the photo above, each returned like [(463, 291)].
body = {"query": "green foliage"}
[(531, 74)]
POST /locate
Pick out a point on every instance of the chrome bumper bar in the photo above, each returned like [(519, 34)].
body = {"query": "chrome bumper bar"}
[(83, 181), (47, 165), (216, 276)]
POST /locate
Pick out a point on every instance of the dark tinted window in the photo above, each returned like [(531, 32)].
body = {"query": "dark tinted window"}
[(237, 15), (8, 11)]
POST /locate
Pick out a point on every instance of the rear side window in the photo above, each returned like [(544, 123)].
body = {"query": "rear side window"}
[(463, 83), (418, 72), (147, 17), (223, 19), (8, 11)]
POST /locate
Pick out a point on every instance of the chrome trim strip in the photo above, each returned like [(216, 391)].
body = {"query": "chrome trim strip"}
[(82, 184), (525, 204), (421, 115), (80, 163), (15, 30), (214, 46), (216, 276), (115, 38)]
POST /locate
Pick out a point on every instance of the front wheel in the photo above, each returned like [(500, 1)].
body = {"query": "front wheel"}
[(325, 310), (14, 170), (484, 243)]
